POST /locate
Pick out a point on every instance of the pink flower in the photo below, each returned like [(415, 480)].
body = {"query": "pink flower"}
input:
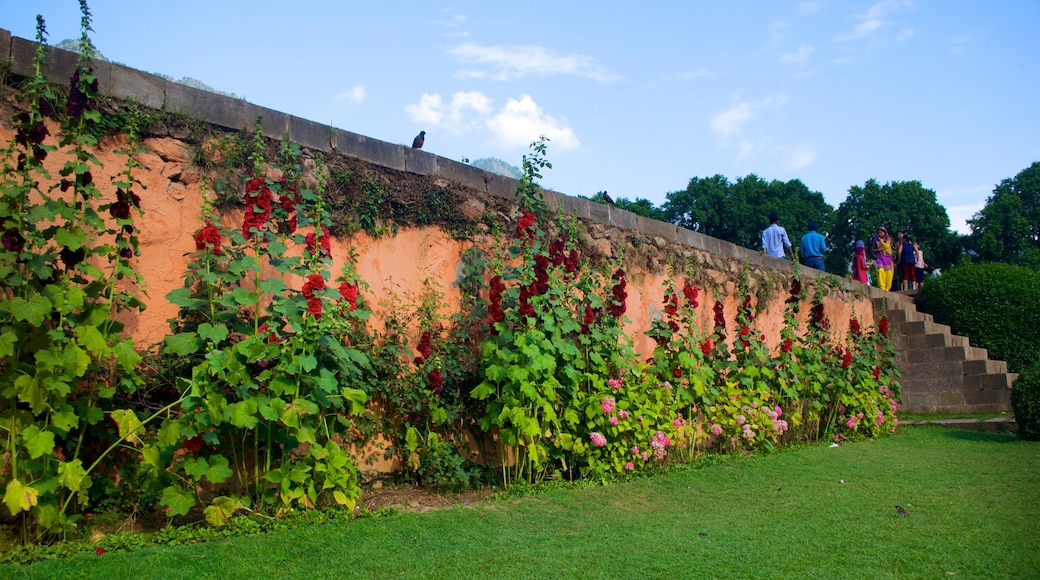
[(677, 423), (880, 417), (629, 465), (597, 439), (778, 411), (615, 384), (755, 404), (613, 420), (741, 419), (624, 414), (851, 423), (608, 405), (716, 430), (748, 434)]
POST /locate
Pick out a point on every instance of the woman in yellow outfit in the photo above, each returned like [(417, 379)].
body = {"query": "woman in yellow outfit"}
[(882, 249)]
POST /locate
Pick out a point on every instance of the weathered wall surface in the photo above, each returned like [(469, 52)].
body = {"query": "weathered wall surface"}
[(173, 199)]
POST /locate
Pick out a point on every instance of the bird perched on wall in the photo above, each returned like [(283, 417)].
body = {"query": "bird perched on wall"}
[(902, 511), (607, 199), (417, 143)]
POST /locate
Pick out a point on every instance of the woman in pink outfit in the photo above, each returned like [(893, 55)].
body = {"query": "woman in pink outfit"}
[(859, 263)]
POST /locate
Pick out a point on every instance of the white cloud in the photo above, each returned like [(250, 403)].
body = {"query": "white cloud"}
[(356, 94), (731, 121), (962, 204), (799, 57), (522, 121), (427, 111), (521, 61), (517, 124), (800, 156), (690, 75), (959, 44), (876, 18)]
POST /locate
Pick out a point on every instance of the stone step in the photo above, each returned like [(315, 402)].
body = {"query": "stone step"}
[(984, 366), (935, 354), (923, 327), (899, 316), (936, 369), (989, 382), (919, 341)]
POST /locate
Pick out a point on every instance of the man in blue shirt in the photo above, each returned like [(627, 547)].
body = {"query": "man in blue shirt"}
[(813, 247), (774, 238)]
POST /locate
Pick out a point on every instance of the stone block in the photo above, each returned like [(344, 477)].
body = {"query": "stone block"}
[(371, 150), (211, 107), (307, 133), (5, 44), (984, 366), (418, 161), (932, 369), (576, 206), (622, 219), (599, 212), (144, 88)]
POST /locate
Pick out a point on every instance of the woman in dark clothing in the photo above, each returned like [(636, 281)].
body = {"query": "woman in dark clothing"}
[(908, 262)]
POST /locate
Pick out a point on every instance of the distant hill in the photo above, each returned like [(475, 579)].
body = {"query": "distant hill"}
[(497, 166), (73, 46)]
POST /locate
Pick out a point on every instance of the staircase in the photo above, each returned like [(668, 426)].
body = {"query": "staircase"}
[(941, 372)]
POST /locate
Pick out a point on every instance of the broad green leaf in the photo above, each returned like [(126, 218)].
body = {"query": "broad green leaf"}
[(37, 442), (196, 467), (127, 356), (357, 399), (170, 432), (182, 344), (92, 340), (308, 363), (75, 360), (65, 419), (411, 439), (7, 341), (213, 333), (72, 476), (245, 297), (221, 510), (128, 423), (20, 498), (32, 311), (243, 413), (29, 392), (219, 469), (179, 500)]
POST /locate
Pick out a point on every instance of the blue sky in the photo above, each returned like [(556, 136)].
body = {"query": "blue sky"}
[(635, 100)]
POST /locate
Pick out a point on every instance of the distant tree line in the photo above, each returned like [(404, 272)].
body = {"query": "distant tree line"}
[(1006, 230)]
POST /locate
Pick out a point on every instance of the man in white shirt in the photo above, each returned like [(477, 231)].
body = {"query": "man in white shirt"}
[(774, 238)]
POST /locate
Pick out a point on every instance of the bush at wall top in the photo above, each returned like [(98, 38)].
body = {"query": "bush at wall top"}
[(1025, 401), (997, 306)]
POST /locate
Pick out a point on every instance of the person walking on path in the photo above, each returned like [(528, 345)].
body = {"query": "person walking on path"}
[(907, 261), (813, 246), (774, 238), (881, 247), (920, 264), (859, 263)]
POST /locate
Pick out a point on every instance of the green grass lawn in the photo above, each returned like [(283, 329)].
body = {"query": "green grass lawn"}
[(820, 512)]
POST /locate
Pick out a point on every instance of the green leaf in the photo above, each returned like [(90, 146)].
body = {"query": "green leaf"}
[(213, 333), (127, 356), (308, 363), (243, 413), (32, 311), (170, 432), (29, 392), (7, 341), (182, 344), (221, 510), (219, 469), (128, 423), (357, 399), (244, 297), (179, 500), (65, 419), (19, 498), (37, 442), (92, 340), (71, 475)]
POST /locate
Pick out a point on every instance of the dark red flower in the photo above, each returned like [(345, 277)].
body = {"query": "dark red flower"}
[(120, 210), (436, 381), (883, 325), (72, 257), (126, 253), (854, 326), (671, 304), (846, 359), (193, 445), (796, 287), (99, 550), (38, 133), (13, 240), (424, 344), (349, 292), (208, 236), (272, 336), (85, 178), (322, 241), (677, 372), (314, 307), (877, 372), (571, 265), (786, 346), (690, 292), (720, 319), (707, 346), (523, 226)]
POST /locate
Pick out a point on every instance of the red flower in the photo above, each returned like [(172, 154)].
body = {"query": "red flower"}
[(13, 240), (796, 287), (883, 325), (720, 319), (208, 236), (324, 242), (523, 227), (707, 346), (877, 372), (193, 445), (846, 359), (854, 326), (618, 294), (424, 345), (571, 266), (99, 550), (677, 372), (786, 346), (271, 335), (314, 307), (671, 304), (316, 281), (436, 380), (690, 292), (744, 331), (258, 206), (349, 292)]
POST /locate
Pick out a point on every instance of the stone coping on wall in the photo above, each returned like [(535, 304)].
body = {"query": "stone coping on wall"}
[(230, 113)]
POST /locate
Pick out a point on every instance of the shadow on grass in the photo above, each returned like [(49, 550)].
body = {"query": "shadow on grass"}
[(981, 436)]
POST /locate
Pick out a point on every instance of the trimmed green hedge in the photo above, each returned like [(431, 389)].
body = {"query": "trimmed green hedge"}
[(1025, 401), (997, 306)]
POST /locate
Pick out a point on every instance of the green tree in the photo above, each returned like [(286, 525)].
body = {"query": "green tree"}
[(1007, 229), (901, 206), (738, 212)]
